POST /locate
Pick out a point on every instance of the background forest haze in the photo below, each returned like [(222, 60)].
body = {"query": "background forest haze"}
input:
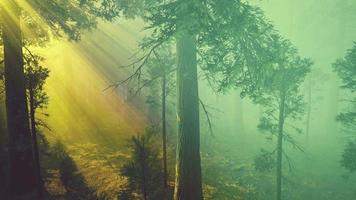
[(285, 132)]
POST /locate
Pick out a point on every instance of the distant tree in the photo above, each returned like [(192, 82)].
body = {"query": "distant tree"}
[(314, 81), (162, 66), (346, 70), (143, 171), (282, 102), (157, 81)]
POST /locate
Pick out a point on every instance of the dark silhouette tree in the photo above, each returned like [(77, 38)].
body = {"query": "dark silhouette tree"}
[(36, 76), (143, 171), (67, 17), (22, 177), (346, 70)]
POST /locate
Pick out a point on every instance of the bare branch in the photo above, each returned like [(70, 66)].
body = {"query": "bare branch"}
[(290, 164), (138, 72), (207, 114)]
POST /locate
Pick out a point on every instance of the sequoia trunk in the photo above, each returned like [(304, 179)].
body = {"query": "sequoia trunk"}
[(22, 168), (188, 184)]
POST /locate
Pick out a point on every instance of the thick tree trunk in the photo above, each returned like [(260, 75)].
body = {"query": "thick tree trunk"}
[(188, 185), (164, 136), (22, 168), (280, 146), (34, 137)]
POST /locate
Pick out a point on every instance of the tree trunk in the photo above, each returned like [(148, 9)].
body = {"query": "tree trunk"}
[(307, 129), (164, 136), (188, 185), (22, 168), (143, 168), (280, 146), (34, 137), (3, 152)]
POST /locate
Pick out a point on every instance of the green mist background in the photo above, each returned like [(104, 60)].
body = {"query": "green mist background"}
[(83, 112)]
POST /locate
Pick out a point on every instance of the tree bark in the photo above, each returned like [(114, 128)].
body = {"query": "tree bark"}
[(188, 185), (164, 136), (23, 182), (280, 145)]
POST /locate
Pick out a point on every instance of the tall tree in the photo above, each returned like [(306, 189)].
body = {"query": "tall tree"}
[(22, 175), (157, 77), (315, 79), (196, 27), (280, 96), (346, 70)]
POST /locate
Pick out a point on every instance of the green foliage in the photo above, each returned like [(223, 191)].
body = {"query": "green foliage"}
[(265, 162), (282, 81), (348, 160), (234, 49), (346, 70), (71, 16), (232, 35), (227, 177), (143, 171)]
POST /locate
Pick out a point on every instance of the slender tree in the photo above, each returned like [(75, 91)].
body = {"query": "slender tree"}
[(281, 99), (143, 170), (36, 76), (315, 80), (157, 77)]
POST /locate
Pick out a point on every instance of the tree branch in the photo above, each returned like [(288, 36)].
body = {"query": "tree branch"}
[(138, 72), (207, 117)]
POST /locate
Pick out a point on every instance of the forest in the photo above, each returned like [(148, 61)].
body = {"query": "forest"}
[(177, 99)]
